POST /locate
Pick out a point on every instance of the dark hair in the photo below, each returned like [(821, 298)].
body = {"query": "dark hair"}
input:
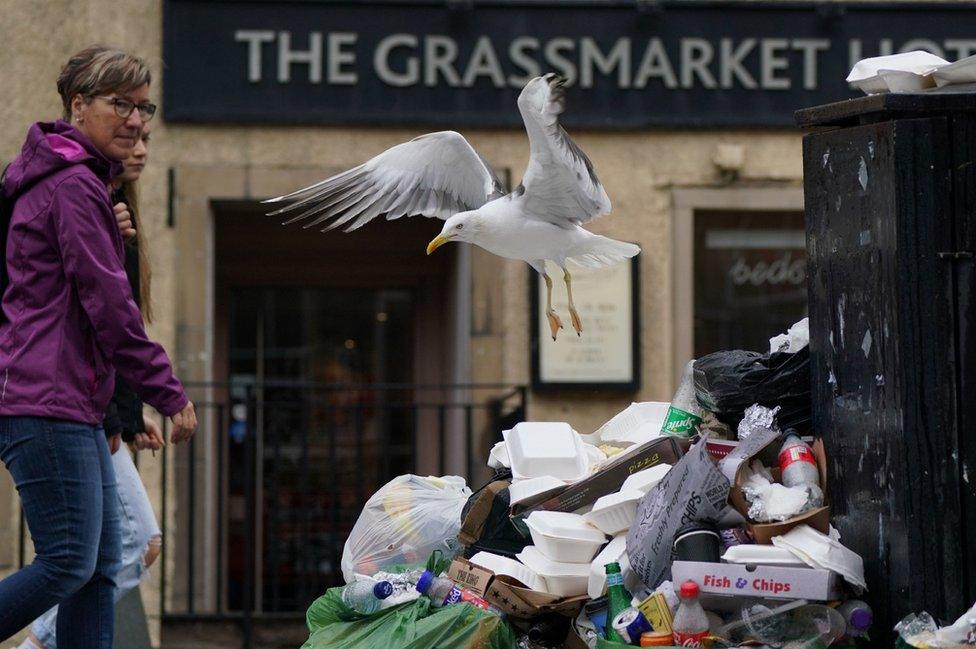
[(98, 70)]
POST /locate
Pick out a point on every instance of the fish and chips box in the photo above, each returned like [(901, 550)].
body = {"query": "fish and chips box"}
[(751, 580), (765, 447)]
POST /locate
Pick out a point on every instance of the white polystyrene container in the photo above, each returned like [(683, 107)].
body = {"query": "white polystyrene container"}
[(614, 512), (762, 555), (564, 537), (616, 551), (522, 490), (498, 457), (546, 448), (504, 566), (645, 480), (562, 579), (867, 73)]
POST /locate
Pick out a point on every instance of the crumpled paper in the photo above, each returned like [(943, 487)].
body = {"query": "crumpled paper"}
[(771, 501), (796, 338)]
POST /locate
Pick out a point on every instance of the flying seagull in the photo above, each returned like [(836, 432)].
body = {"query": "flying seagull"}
[(441, 175)]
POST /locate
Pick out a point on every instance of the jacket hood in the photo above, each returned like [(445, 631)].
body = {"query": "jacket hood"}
[(50, 147)]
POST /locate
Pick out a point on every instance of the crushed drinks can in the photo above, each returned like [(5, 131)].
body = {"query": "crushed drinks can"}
[(630, 624)]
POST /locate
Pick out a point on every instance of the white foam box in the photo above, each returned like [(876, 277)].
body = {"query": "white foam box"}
[(759, 581)]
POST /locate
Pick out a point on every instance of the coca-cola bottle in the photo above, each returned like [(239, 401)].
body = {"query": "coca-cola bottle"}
[(690, 623), (797, 463)]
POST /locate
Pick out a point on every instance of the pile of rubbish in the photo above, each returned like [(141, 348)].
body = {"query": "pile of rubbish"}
[(701, 522)]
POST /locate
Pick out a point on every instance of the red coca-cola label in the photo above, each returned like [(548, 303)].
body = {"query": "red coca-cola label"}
[(682, 639), (797, 453)]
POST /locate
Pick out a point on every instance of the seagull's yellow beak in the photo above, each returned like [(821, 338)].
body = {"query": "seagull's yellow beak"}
[(436, 243)]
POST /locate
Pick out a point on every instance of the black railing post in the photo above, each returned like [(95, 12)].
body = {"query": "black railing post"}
[(164, 519), (222, 422), (247, 599), (442, 438), (191, 525)]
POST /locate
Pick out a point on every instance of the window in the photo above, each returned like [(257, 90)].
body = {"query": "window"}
[(750, 278), (739, 269)]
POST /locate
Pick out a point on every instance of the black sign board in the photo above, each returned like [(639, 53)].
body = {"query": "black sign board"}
[(631, 64)]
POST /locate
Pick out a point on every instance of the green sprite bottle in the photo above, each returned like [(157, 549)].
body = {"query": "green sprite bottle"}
[(685, 414), (618, 599)]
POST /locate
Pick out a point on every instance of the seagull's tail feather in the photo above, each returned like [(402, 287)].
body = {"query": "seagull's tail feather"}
[(601, 251)]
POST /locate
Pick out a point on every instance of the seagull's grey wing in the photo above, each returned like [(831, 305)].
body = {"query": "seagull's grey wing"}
[(438, 174), (560, 184)]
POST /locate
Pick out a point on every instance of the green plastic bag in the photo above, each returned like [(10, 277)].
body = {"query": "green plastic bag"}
[(414, 625)]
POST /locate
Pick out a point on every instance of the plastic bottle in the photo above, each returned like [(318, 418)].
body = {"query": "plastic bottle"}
[(618, 599), (685, 414), (858, 616), (690, 623), (797, 463), (366, 595), (443, 592)]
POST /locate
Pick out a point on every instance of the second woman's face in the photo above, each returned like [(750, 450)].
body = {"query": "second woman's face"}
[(133, 165)]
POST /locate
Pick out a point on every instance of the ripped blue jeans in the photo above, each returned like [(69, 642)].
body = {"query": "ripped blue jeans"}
[(139, 528)]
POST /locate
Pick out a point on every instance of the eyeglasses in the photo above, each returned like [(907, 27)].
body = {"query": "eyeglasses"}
[(124, 108)]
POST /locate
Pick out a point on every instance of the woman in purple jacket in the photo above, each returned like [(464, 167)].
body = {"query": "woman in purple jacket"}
[(68, 323)]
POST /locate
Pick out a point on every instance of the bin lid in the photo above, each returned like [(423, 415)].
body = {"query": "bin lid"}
[(881, 107)]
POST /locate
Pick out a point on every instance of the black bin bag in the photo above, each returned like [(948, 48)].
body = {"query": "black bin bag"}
[(726, 383)]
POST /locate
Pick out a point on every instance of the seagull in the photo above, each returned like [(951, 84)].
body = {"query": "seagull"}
[(441, 175)]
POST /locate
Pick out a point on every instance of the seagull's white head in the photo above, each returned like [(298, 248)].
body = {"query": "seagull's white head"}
[(463, 226)]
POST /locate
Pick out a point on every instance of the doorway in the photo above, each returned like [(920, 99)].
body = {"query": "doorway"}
[(329, 335)]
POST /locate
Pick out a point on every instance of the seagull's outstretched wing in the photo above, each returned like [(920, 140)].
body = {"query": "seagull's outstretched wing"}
[(560, 184), (438, 174)]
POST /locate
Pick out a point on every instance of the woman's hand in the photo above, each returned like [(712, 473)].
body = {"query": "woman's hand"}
[(184, 423), (124, 219), (115, 443), (152, 439)]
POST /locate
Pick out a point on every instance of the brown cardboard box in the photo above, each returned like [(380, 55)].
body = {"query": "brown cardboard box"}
[(467, 575), (660, 450), (522, 603), (509, 594), (819, 518)]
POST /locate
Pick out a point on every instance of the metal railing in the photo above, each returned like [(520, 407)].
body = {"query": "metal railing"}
[(257, 506)]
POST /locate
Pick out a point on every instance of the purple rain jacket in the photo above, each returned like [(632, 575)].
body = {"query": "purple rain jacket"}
[(71, 321)]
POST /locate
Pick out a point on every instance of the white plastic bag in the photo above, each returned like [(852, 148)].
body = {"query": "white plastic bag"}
[(407, 519)]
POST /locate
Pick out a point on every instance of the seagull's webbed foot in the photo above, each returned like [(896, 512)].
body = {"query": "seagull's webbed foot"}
[(577, 323), (555, 324)]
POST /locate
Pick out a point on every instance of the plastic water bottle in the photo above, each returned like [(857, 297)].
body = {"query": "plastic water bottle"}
[(366, 595), (858, 616), (797, 463), (685, 414), (690, 623), (443, 592)]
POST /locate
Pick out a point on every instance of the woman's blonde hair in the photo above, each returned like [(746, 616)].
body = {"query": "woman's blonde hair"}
[(129, 188), (100, 70)]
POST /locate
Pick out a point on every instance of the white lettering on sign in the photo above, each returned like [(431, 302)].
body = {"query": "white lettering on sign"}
[(311, 57), (403, 60), (784, 270), (254, 40), (381, 61), (338, 57)]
